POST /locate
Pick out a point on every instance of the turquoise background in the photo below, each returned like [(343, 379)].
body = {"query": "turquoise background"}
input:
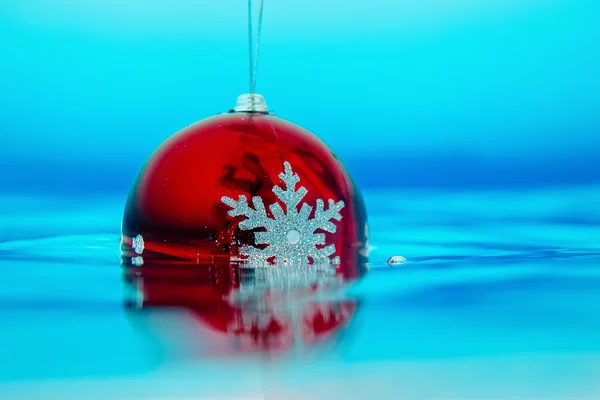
[(458, 93)]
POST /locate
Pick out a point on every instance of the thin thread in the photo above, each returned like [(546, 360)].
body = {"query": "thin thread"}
[(250, 48), (259, 29), (253, 48)]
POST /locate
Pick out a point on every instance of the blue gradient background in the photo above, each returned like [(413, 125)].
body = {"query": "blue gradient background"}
[(433, 93)]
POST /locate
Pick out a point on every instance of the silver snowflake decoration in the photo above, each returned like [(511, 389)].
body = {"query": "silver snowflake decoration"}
[(290, 235)]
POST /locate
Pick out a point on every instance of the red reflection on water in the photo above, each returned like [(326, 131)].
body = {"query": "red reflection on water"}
[(260, 308)]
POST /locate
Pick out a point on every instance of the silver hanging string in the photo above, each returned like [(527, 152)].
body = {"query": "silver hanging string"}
[(250, 46), (254, 47), (259, 29)]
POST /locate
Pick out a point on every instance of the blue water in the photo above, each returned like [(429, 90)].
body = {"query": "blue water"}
[(494, 302)]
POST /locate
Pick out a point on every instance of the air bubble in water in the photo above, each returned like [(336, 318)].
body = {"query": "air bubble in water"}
[(396, 260)]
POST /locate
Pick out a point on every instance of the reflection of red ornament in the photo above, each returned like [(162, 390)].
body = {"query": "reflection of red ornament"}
[(245, 184), (265, 308)]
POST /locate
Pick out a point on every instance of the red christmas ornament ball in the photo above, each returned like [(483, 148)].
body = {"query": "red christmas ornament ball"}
[(200, 197)]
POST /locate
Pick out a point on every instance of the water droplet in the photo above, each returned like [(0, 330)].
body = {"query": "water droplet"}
[(137, 243), (396, 260)]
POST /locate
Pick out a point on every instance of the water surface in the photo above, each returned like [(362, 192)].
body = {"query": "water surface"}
[(499, 299)]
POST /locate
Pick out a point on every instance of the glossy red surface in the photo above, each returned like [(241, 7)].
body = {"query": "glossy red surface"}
[(175, 202)]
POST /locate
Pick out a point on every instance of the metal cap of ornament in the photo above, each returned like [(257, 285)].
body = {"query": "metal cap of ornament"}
[(250, 102)]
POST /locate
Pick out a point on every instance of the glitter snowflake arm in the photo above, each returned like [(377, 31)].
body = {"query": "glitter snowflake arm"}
[(256, 255), (290, 196), (256, 217), (322, 217)]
